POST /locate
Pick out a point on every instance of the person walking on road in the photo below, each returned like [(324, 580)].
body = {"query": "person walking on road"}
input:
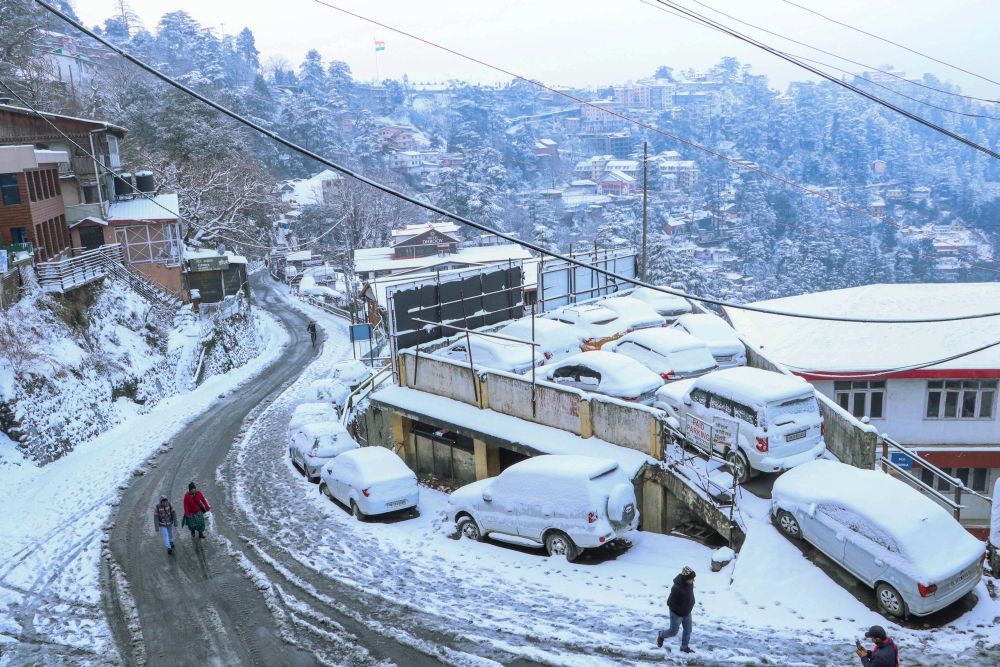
[(164, 520), (883, 654), (681, 605), (311, 328), (195, 507)]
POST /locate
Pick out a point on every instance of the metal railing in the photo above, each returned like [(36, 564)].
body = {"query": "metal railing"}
[(68, 274), (322, 305), (363, 390)]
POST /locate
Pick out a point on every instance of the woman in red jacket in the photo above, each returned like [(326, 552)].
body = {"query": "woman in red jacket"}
[(195, 507)]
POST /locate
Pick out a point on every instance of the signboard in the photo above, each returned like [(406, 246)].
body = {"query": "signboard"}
[(901, 460), (197, 264), (361, 332), (3, 261), (698, 431), (724, 433)]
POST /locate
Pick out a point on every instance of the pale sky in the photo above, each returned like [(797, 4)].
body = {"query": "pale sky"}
[(597, 42)]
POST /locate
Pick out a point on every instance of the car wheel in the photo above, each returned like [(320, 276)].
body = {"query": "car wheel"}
[(559, 544), (889, 601), (739, 467), (788, 524), (325, 490), (356, 511), (468, 528)]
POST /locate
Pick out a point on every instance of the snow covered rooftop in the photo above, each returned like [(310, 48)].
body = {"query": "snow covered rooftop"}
[(308, 191), (142, 209), (814, 345), (381, 259)]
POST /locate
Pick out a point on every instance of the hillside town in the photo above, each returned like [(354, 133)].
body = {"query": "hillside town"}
[(303, 367)]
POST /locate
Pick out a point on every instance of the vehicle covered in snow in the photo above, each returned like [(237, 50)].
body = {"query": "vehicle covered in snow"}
[(605, 373), (722, 339), (316, 411), (313, 445), (330, 391), (634, 313), (490, 352), (596, 324), (352, 373), (669, 306), (563, 503), (556, 340), (371, 481), (884, 532), (758, 420), (670, 353)]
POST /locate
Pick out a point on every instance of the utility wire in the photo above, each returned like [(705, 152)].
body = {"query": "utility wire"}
[(888, 372), (470, 223), (845, 59), (651, 3), (146, 195), (829, 77), (889, 41), (646, 126)]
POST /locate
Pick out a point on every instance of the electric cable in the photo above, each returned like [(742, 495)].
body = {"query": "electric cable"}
[(471, 223)]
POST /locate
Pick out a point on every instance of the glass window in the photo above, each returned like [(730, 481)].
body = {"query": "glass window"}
[(961, 399), (9, 190), (744, 413), (862, 398), (979, 479), (720, 403), (700, 396)]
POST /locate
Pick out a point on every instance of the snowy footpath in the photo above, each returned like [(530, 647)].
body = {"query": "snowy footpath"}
[(55, 519)]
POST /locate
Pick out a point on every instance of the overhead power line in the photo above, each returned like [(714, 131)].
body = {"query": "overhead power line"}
[(829, 77), (889, 41), (471, 223), (888, 372)]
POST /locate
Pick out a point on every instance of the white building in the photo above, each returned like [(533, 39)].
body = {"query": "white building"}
[(946, 411)]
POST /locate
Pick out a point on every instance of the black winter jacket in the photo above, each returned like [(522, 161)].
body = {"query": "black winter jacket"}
[(884, 655), (681, 600)]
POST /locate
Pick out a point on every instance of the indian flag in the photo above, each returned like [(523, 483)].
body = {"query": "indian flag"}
[(379, 45)]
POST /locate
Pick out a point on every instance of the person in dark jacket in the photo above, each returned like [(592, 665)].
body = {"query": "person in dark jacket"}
[(883, 654), (311, 328), (164, 520), (681, 604), (195, 507)]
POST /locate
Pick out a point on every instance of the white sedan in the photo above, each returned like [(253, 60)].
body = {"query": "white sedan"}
[(668, 305), (671, 354), (371, 481), (313, 445), (722, 339), (556, 340), (307, 413), (605, 373), (636, 314), (490, 352)]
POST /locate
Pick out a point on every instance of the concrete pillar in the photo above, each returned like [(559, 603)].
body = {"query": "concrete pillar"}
[(655, 443), (652, 506), (487, 459), (403, 439), (586, 423)]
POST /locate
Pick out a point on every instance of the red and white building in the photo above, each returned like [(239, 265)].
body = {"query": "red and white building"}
[(902, 377)]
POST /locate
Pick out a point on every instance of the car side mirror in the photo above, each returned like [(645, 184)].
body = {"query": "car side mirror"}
[(687, 400), (487, 497)]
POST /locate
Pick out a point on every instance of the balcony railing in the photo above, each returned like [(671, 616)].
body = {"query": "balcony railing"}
[(67, 274)]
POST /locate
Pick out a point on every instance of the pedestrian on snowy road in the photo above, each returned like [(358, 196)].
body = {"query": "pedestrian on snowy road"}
[(195, 507), (164, 520), (681, 605), (311, 328), (883, 654)]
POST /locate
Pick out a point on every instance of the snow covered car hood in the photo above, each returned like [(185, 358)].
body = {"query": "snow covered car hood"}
[(468, 495)]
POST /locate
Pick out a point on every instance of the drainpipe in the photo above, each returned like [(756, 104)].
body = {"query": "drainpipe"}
[(97, 173)]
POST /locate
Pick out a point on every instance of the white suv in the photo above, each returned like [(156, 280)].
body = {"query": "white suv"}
[(564, 503)]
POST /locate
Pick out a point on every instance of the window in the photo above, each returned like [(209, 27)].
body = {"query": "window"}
[(723, 405), (9, 190), (699, 396), (961, 399), (745, 413), (19, 235), (974, 478), (862, 398)]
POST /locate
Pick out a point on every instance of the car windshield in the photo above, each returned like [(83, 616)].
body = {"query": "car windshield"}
[(796, 406), (603, 322)]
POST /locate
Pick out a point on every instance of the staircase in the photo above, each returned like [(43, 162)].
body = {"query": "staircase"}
[(127, 276)]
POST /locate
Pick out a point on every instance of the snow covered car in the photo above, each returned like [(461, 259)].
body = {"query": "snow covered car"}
[(722, 339), (330, 391), (596, 324), (671, 354), (635, 314), (490, 352), (563, 503), (758, 420), (887, 534), (306, 413), (313, 445), (371, 481), (605, 373), (352, 373), (669, 306), (556, 340)]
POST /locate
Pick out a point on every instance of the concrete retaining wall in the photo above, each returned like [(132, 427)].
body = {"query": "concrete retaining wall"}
[(441, 377), (625, 425), (554, 406)]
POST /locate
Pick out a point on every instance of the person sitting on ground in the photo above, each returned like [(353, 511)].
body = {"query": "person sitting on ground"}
[(195, 507)]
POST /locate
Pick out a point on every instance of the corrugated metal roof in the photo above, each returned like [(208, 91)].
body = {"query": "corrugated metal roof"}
[(160, 207)]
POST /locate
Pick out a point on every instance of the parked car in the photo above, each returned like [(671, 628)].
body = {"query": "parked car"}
[(758, 420), (352, 373), (636, 314), (596, 324), (330, 391), (671, 354), (668, 305), (371, 481), (722, 339), (887, 534), (495, 353), (313, 445), (306, 413), (556, 340), (605, 373), (563, 503)]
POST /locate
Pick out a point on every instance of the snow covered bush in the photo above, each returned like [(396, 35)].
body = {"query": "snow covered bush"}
[(234, 342)]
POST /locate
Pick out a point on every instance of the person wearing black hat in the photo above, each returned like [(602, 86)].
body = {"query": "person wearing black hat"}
[(883, 654), (681, 605)]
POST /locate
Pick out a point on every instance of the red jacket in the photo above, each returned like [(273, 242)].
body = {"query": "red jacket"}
[(195, 503)]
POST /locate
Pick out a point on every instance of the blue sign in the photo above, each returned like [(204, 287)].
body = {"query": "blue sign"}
[(361, 332), (901, 460)]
